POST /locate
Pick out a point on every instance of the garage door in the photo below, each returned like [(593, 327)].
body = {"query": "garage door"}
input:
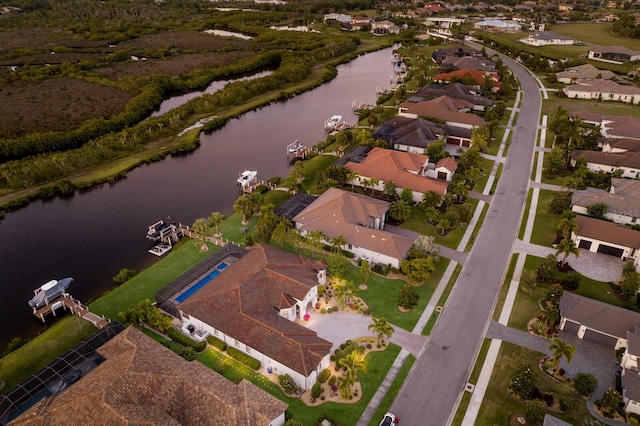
[(594, 336), (613, 251), (584, 244), (571, 327)]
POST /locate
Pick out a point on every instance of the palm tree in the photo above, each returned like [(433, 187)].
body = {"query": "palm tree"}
[(400, 210), (365, 183), (580, 174), (567, 247), (215, 219), (351, 177), (480, 137), (200, 228), (344, 291), (566, 226), (460, 189), (373, 182), (549, 316), (337, 243), (432, 214), (382, 328), (473, 173), (443, 225), (354, 362), (315, 238), (558, 124), (243, 206), (561, 350)]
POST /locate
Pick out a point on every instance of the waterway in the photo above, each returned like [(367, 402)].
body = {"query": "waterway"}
[(91, 235)]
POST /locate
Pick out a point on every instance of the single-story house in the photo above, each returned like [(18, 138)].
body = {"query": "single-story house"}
[(619, 145), (601, 236), (582, 72), (360, 220), (612, 126), (603, 90), (337, 17), (622, 201), (477, 79), (547, 38), (596, 321), (360, 22), (478, 63), (456, 90), (405, 169), (416, 134), (252, 304), (442, 53), (384, 27), (496, 25), (614, 54), (444, 22), (441, 110), (609, 162), (142, 382)]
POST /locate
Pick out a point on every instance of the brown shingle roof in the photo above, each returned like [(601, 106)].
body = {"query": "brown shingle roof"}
[(613, 159), (603, 86), (614, 125), (244, 301), (143, 383), (608, 232), (338, 212), (597, 315), (586, 71), (431, 109), (400, 168)]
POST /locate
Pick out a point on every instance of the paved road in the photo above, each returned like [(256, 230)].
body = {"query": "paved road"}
[(439, 376)]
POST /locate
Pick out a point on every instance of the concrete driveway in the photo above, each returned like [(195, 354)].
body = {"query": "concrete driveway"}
[(339, 327)]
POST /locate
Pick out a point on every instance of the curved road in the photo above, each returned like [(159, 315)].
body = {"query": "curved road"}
[(439, 375)]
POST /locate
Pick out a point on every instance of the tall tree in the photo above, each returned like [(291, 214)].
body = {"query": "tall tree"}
[(381, 328), (566, 226), (337, 243), (243, 206), (315, 239), (216, 219), (344, 291), (354, 362), (352, 177), (400, 210), (200, 228), (364, 272), (567, 247), (560, 350)]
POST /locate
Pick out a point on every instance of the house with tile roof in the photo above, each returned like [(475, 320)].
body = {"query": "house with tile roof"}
[(443, 53), (622, 201), (252, 306), (456, 90), (627, 163), (613, 54), (476, 79), (416, 134), (360, 220), (547, 38), (450, 111), (405, 169), (601, 236), (142, 382), (478, 63), (617, 145), (612, 126), (583, 72), (497, 25), (596, 321), (603, 90)]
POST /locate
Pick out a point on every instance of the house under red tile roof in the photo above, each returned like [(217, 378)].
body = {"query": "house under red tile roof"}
[(243, 303), (477, 76), (143, 383), (403, 168)]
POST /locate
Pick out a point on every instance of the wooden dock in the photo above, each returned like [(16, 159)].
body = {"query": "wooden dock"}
[(67, 302)]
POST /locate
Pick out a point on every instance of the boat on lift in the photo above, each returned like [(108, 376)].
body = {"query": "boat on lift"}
[(332, 122), (247, 178), (48, 292)]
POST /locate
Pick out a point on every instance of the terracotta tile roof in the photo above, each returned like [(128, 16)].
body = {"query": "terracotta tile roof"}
[(431, 109), (400, 167), (597, 315), (613, 159), (244, 302), (607, 232), (448, 163), (625, 144), (455, 90), (477, 76), (338, 212), (143, 383)]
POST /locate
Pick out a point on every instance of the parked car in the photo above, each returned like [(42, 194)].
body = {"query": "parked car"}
[(389, 420)]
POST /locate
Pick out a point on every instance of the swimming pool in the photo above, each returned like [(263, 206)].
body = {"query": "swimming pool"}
[(197, 286)]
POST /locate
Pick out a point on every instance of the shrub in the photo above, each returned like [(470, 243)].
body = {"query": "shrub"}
[(534, 413), (367, 311), (316, 390), (323, 310), (334, 309), (177, 336), (324, 375), (332, 380), (292, 422), (124, 275), (14, 344), (585, 383), (572, 281), (522, 382), (214, 341), (408, 298), (287, 383), (243, 358)]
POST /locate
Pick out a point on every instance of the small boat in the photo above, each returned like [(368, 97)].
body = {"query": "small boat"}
[(332, 122), (160, 229), (49, 292), (160, 249), (294, 147), (247, 178)]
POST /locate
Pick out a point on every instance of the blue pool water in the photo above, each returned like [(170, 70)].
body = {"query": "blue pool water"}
[(222, 266), (197, 286)]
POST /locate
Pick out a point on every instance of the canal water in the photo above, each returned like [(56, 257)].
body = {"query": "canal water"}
[(91, 235)]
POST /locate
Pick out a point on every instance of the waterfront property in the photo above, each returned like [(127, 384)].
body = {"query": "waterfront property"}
[(360, 220), (416, 134), (139, 381), (252, 305)]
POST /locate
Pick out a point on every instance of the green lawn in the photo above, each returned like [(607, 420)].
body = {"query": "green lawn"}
[(525, 215), (497, 408), (544, 227), (596, 33), (550, 106), (486, 166), (505, 287), (309, 170)]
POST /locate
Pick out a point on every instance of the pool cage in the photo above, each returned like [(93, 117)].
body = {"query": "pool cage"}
[(166, 296), (58, 375)]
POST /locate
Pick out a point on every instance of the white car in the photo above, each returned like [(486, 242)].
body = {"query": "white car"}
[(389, 420)]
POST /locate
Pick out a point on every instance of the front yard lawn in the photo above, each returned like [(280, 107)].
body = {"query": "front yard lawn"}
[(544, 226)]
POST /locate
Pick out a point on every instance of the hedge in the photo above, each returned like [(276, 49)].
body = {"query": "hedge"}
[(243, 358), (219, 344), (185, 340)]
